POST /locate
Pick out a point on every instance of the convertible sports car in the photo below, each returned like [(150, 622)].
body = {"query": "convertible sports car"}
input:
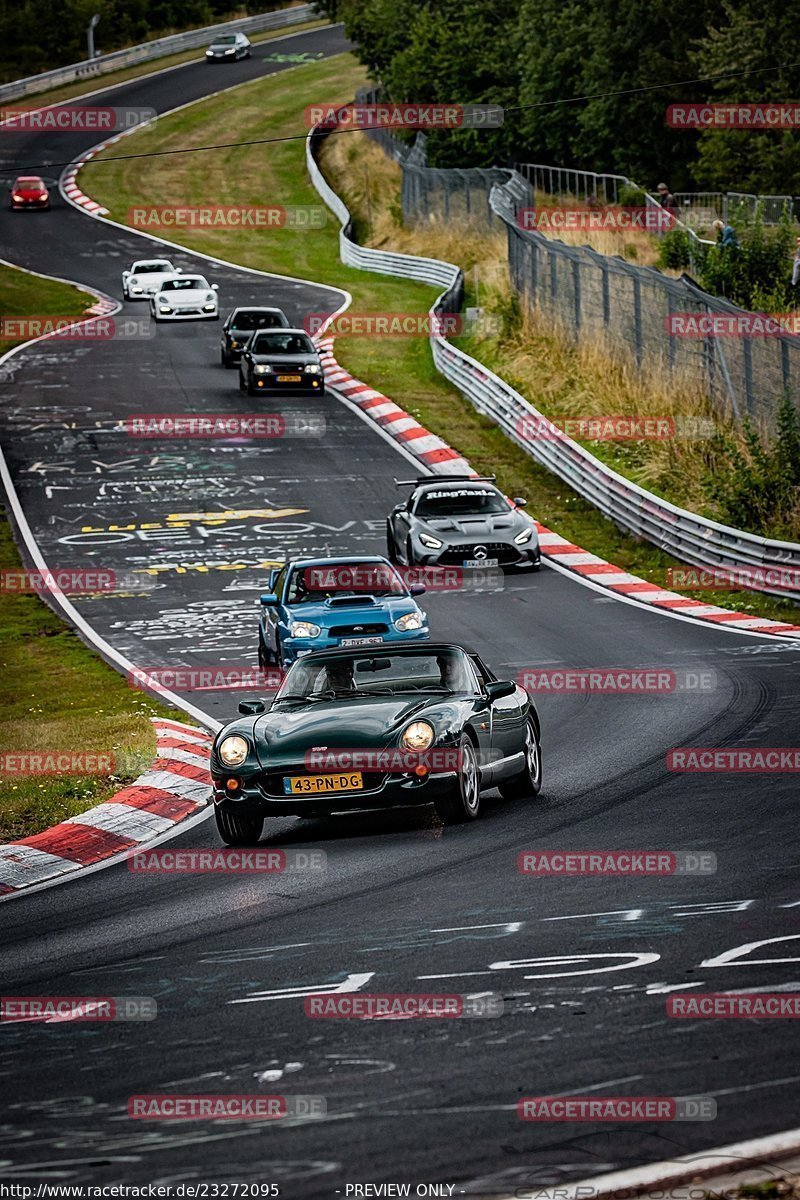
[(186, 298), (461, 521), (240, 325), (29, 191), (376, 728), (283, 360), (145, 277), (321, 603)]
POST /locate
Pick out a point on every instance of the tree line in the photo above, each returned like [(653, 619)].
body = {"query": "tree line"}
[(581, 82)]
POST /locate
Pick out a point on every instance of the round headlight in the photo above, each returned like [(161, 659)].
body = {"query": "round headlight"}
[(233, 750), (418, 736)]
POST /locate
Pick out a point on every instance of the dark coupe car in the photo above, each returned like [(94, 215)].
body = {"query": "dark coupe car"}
[(240, 325), (461, 521), (281, 360), (376, 728)]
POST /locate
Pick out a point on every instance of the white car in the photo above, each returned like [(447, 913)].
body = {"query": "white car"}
[(186, 298), (145, 277), (228, 47)]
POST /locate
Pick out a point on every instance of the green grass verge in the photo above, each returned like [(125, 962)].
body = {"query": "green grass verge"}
[(93, 83), (401, 367), (55, 694)]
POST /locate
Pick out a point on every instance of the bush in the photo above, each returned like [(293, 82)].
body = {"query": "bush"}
[(675, 249), (630, 196), (757, 274), (756, 486)]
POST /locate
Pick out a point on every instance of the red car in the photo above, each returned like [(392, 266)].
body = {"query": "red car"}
[(29, 191)]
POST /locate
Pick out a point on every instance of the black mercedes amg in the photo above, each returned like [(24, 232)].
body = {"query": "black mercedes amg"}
[(375, 728)]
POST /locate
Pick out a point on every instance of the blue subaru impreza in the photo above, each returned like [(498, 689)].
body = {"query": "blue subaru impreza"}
[(322, 603)]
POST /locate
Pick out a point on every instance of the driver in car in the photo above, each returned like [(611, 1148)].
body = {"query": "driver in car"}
[(339, 676), (452, 672)]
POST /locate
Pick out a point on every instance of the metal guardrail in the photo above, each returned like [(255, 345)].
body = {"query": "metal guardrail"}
[(688, 537), (158, 48)]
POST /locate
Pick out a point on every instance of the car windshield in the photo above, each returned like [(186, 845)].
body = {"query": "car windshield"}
[(281, 343), (367, 673), (318, 583), (187, 284), (30, 185), (148, 267), (255, 320), (227, 39), (461, 502)]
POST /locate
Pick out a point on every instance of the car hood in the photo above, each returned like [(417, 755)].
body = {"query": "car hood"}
[(188, 296), (492, 526), (266, 357), (286, 733), (219, 49), (364, 610)]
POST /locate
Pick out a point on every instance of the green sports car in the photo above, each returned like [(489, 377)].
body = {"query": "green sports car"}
[(374, 728)]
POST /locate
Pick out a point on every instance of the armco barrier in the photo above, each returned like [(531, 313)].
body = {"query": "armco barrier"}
[(147, 51), (688, 537)]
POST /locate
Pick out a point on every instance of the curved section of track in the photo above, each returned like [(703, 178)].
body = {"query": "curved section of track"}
[(413, 907)]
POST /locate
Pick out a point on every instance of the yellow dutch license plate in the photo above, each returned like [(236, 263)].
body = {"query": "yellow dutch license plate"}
[(288, 379), (315, 785)]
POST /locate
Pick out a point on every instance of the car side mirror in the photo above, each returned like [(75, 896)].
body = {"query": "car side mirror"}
[(417, 589), (252, 708), (268, 599), (179, 270), (215, 287), (520, 501), (498, 688)]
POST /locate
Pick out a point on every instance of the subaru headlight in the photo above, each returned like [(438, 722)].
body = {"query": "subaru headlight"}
[(412, 620), (523, 537), (262, 369), (312, 369), (417, 736), (301, 629), (431, 542), (233, 750)]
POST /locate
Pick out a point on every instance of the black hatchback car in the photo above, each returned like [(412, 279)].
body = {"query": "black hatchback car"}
[(240, 325), (281, 360), (373, 728)]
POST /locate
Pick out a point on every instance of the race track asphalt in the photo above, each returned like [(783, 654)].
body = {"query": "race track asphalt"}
[(410, 905)]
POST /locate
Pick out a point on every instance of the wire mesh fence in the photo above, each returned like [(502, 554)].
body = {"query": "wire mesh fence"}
[(744, 365)]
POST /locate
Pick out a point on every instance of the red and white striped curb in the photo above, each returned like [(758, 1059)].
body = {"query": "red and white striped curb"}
[(176, 785), (69, 184), (442, 459)]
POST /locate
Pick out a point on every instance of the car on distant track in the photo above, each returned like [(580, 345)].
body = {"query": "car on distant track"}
[(144, 278), (461, 521), (283, 360), (185, 298), (239, 326), (228, 47), (375, 728), (322, 603), (28, 192)]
